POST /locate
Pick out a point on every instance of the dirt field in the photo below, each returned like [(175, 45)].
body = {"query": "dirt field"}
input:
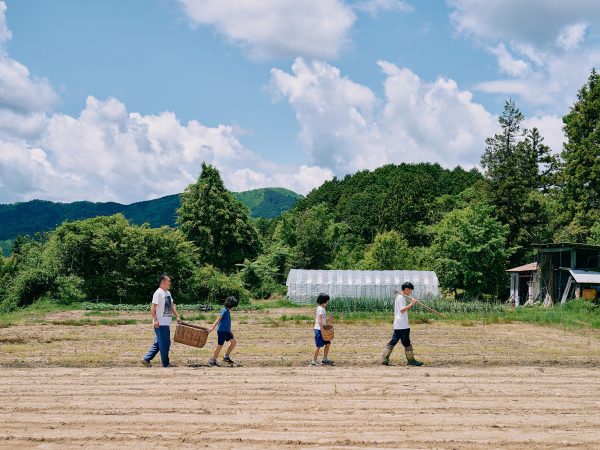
[(261, 407), (502, 386)]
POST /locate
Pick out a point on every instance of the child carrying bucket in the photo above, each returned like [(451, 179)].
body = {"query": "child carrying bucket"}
[(401, 327), (321, 321), (224, 334)]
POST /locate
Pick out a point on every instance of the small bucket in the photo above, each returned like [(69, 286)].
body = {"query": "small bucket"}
[(327, 332), (189, 334)]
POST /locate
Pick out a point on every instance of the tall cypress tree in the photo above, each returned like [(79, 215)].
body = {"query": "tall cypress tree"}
[(217, 222), (518, 167)]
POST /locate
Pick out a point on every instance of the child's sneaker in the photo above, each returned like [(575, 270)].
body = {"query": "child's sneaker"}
[(314, 363), (227, 359), (212, 362), (327, 362)]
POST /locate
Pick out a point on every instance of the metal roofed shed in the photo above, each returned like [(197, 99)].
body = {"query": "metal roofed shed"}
[(582, 284), (555, 263), (524, 285), (303, 286)]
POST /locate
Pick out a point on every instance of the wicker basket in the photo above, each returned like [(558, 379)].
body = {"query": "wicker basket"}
[(327, 332), (189, 334)]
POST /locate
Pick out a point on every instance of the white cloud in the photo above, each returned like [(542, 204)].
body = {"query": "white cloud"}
[(571, 36), (373, 7), (507, 63), (275, 28), (346, 128), (5, 33), (549, 35), (109, 154), (24, 100), (534, 22), (552, 88)]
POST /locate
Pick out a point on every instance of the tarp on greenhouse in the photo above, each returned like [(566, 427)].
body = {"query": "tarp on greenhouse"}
[(303, 286)]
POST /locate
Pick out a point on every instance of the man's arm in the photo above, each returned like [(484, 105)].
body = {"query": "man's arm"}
[(176, 313), (154, 318)]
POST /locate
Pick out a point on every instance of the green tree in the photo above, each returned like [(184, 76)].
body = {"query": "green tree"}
[(579, 171), (216, 222), (518, 166), (594, 237), (389, 251), (469, 251), (313, 241)]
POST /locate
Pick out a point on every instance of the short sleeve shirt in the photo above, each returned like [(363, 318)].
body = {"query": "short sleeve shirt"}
[(164, 306), (225, 323)]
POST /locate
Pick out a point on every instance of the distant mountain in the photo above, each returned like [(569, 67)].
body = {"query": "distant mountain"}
[(39, 215)]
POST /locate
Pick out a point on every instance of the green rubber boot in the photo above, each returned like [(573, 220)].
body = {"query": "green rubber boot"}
[(385, 358), (410, 357)]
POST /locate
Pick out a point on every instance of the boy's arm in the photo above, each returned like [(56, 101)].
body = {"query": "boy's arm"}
[(410, 305), (215, 324), (320, 320)]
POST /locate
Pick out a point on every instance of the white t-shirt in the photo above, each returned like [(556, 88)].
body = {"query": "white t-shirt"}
[(320, 311), (400, 319), (164, 308)]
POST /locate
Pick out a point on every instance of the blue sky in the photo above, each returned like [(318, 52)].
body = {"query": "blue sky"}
[(122, 101)]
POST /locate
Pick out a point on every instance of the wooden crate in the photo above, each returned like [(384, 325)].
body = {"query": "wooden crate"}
[(189, 334)]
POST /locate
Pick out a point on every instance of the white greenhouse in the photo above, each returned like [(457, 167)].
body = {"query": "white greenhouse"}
[(303, 286)]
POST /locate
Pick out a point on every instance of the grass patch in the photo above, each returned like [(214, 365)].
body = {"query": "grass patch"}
[(297, 319), (574, 314), (187, 318), (101, 313), (90, 322), (34, 313)]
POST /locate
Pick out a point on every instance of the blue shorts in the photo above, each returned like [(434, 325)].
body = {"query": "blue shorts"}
[(224, 336), (319, 341)]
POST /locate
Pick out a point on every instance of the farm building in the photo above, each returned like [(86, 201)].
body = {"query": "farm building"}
[(303, 286), (562, 271), (523, 283)]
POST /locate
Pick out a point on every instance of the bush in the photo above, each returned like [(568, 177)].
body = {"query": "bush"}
[(27, 287), (69, 289), (208, 284)]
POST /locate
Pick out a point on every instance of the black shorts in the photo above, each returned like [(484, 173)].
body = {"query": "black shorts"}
[(224, 336), (401, 335)]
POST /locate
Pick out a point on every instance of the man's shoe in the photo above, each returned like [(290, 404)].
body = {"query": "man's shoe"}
[(146, 363), (212, 362), (327, 362), (227, 359), (314, 363)]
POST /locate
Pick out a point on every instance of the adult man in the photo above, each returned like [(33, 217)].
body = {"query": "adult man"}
[(162, 309), (401, 327)]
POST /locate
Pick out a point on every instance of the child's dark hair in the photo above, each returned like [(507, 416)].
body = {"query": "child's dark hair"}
[(322, 298), (407, 285), (230, 302)]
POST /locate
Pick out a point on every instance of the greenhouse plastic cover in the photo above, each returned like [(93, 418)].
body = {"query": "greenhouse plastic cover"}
[(303, 286)]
